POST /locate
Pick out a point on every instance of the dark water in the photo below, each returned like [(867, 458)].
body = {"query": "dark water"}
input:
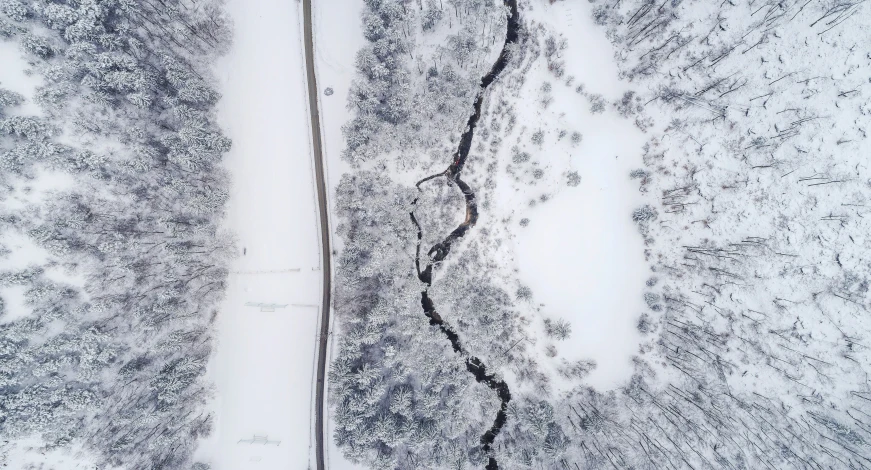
[(440, 250)]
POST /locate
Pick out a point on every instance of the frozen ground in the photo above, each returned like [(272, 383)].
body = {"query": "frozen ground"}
[(264, 363), (581, 254)]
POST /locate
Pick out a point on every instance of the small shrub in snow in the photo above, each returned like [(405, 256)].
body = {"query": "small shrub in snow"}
[(551, 46), (519, 157), (576, 369), (573, 178), (545, 101), (597, 103), (576, 138), (550, 350), (601, 15), (557, 67), (644, 175), (524, 293), (644, 214), (552, 51), (538, 173), (651, 282), (557, 329), (629, 105), (524, 222), (651, 299), (538, 137), (562, 133), (638, 173), (643, 123), (644, 324)]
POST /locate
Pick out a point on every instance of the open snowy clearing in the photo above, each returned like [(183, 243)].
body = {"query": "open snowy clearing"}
[(581, 254), (264, 364)]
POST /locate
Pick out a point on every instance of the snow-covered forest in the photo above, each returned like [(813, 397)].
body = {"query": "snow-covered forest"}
[(746, 161), (572, 235), (111, 259)]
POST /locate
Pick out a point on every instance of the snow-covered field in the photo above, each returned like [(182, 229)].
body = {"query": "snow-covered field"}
[(580, 253), (265, 360)]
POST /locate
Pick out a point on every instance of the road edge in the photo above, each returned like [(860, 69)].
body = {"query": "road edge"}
[(326, 266)]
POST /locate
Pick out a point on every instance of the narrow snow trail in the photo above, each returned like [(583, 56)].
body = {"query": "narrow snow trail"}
[(264, 364)]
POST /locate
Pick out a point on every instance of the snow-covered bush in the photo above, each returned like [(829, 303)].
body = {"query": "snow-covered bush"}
[(559, 329), (644, 214), (576, 138), (597, 103), (573, 179), (524, 293)]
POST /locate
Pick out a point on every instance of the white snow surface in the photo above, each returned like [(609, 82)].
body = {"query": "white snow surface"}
[(265, 361), (581, 254)]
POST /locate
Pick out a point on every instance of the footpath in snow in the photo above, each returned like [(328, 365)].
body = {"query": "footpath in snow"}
[(265, 359)]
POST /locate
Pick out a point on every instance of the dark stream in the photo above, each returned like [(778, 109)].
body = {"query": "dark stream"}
[(440, 250)]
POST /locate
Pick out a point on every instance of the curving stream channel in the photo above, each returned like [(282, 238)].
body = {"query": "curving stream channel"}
[(440, 250)]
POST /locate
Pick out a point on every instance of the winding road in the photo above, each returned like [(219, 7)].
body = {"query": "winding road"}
[(326, 266)]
